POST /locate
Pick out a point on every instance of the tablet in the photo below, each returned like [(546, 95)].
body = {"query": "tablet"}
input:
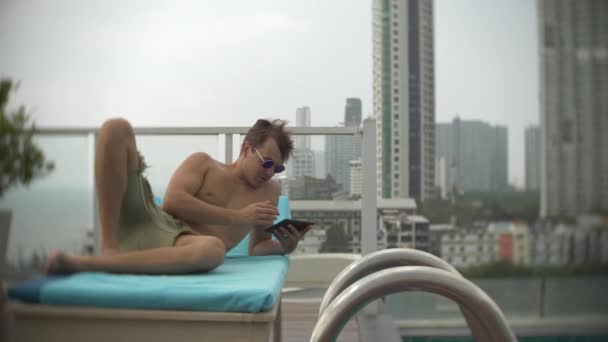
[(299, 225)]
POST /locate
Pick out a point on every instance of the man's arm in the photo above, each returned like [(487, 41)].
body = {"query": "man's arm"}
[(260, 242), (181, 201)]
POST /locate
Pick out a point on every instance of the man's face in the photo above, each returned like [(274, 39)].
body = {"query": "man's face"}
[(269, 150)]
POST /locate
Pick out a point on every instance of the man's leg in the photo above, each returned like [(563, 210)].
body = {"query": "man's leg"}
[(115, 157), (191, 253)]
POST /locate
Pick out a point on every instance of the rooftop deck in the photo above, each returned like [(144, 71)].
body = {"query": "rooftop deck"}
[(300, 317)]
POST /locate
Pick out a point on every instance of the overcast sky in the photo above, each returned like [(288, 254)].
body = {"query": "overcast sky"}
[(224, 63)]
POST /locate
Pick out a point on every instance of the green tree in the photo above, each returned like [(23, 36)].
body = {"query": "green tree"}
[(506, 269), (484, 206), (336, 241), (21, 160)]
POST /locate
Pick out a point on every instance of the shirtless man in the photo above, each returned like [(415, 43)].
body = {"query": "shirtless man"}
[(208, 207)]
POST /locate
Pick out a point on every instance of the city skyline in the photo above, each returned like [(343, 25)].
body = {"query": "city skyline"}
[(170, 64)]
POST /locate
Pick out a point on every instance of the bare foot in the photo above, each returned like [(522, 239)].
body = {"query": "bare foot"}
[(60, 263)]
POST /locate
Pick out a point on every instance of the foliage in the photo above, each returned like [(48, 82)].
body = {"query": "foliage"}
[(21, 160), (336, 241), (505, 269), (483, 206), (498, 270)]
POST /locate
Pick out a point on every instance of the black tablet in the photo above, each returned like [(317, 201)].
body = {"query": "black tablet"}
[(299, 225)]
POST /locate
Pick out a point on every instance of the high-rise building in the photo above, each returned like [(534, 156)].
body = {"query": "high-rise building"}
[(303, 120), (352, 112), (404, 97), (441, 177), (303, 161), (573, 50), (532, 158), (320, 169), (356, 178), (340, 150), (475, 153), (310, 188)]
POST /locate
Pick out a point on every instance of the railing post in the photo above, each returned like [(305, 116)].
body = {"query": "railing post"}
[(228, 152), (92, 139), (369, 212)]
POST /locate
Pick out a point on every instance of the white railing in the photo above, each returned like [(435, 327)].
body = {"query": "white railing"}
[(366, 135)]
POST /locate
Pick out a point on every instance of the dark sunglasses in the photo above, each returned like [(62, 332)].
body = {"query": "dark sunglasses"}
[(267, 164)]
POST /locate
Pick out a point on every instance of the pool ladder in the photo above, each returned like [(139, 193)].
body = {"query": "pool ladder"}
[(396, 270)]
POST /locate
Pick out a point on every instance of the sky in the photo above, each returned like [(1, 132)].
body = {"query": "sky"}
[(214, 63)]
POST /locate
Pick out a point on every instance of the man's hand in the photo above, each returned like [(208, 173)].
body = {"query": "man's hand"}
[(290, 236), (258, 214)]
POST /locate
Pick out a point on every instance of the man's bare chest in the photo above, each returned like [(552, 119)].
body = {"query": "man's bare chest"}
[(224, 192)]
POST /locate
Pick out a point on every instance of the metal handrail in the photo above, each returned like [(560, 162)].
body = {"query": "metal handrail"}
[(390, 258), (378, 261), (199, 130), (412, 278)]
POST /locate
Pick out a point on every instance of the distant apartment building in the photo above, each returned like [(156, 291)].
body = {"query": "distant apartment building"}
[(562, 244), (302, 120), (352, 112), (312, 242), (474, 154), (441, 177), (573, 51), (356, 178), (513, 241), (340, 150), (542, 245), (320, 164), (532, 158), (310, 188), (406, 231), (303, 161), (346, 215), (404, 97), (466, 247)]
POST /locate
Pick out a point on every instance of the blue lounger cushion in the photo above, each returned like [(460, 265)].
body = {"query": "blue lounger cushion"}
[(242, 284), (29, 291), (250, 284)]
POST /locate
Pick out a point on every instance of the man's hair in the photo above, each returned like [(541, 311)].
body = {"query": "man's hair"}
[(264, 129)]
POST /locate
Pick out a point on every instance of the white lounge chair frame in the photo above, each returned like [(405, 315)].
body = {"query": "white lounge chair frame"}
[(37, 322)]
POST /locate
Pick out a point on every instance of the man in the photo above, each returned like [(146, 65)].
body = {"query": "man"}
[(208, 207)]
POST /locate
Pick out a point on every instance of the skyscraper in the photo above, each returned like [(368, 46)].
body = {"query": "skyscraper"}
[(356, 178), (475, 153), (340, 150), (338, 153), (303, 162), (404, 97), (532, 158), (303, 120), (573, 49), (352, 112)]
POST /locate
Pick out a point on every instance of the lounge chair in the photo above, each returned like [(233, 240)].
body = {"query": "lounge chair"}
[(238, 301)]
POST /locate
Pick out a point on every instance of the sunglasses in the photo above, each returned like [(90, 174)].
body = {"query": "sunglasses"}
[(267, 164)]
